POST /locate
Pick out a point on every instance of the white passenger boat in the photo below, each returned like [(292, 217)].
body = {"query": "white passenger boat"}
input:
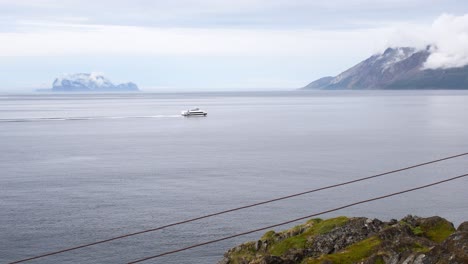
[(194, 112)]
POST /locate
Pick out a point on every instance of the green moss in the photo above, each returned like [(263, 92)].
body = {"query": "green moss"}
[(299, 241), (296, 230), (246, 253), (297, 238), (417, 230), (352, 254), (314, 221), (268, 235), (437, 229), (237, 258), (379, 260), (415, 247), (329, 224), (438, 232), (420, 248), (282, 247)]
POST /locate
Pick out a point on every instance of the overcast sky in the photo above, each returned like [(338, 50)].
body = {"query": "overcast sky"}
[(191, 45)]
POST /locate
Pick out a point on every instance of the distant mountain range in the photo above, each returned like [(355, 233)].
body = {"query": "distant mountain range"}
[(89, 82), (396, 68)]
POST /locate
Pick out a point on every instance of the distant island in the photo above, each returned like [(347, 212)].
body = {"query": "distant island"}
[(412, 240), (396, 68), (89, 82)]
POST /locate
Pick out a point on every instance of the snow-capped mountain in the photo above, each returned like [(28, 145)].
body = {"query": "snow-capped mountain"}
[(396, 68), (89, 82)]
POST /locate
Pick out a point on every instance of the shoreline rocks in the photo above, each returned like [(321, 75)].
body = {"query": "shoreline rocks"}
[(411, 240)]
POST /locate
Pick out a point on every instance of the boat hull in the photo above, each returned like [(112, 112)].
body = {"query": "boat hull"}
[(194, 113)]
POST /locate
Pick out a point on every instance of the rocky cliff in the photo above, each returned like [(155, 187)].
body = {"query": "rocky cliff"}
[(396, 68), (412, 240)]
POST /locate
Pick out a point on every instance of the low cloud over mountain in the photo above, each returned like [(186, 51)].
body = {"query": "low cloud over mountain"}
[(399, 68)]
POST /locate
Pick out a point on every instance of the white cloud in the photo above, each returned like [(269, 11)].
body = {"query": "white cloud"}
[(338, 14), (189, 6), (48, 39), (450, 42), (447, 35)]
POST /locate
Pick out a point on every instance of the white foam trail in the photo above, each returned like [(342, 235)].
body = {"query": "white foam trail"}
[(82, 118)]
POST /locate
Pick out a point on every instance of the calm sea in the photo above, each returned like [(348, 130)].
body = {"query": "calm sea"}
[(78, 168)]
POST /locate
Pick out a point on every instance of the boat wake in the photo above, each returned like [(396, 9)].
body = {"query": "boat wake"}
[(79, 118)]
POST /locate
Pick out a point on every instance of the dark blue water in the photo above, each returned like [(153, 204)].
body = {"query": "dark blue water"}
[(79, 168)]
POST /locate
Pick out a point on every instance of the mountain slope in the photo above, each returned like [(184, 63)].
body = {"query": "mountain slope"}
[(396, 68)]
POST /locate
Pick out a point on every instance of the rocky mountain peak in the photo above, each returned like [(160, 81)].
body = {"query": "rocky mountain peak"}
[(395, 68), (89, 82)]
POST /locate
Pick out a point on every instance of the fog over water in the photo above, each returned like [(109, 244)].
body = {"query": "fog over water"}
[(76, 168)]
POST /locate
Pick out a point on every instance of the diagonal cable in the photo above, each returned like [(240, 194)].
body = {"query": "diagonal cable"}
[(297, 219), (236, 209)]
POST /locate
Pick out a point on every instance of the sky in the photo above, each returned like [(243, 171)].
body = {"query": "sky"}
[(216, 45)]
